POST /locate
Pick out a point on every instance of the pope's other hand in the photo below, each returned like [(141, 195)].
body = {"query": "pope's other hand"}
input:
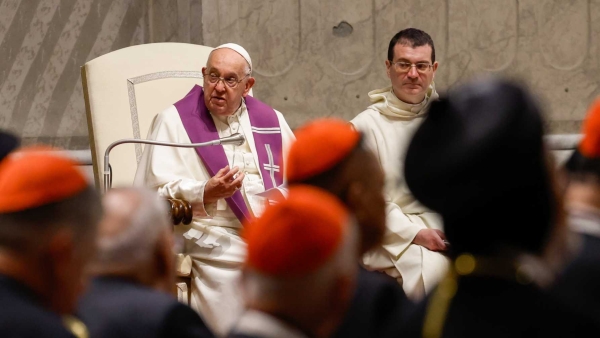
[(224, 184)]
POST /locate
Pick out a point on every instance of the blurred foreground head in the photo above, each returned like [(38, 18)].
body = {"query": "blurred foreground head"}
[(329, 154), (584, 163), (301, 263), (48, 220), (134, 239), (8, 143), (479, 161)]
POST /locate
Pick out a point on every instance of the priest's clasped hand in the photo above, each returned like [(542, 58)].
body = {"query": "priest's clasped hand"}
[(432, 239), (224, 184)]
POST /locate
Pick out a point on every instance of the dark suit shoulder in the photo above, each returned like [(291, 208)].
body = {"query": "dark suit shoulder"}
[(492, 307), (20, 310), (240, 335), (377, 304), (119, 308), (577, 286), (182, 321)]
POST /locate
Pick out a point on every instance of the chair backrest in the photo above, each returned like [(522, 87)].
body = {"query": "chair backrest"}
[(125, 89)]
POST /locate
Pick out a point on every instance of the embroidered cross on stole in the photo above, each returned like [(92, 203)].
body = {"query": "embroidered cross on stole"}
[(266, 132)]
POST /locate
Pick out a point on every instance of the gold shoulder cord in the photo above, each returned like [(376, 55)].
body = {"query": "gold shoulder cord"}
[(75, 326), (467, 264), (437, 308)]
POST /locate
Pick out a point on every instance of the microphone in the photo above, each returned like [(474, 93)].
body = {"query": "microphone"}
[(236, 139)]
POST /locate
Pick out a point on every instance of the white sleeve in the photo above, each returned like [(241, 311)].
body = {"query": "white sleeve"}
[(174, 172), (400, 228), (361, 123), (287, 138), (400, 231)]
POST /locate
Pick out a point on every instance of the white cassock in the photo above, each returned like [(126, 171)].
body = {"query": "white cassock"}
[(388, 126), (212, 240)]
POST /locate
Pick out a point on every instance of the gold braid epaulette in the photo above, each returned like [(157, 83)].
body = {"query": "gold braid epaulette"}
[(75, 326), (465, 265)]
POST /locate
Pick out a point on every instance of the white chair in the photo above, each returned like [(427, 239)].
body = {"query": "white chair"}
[(124, 90)]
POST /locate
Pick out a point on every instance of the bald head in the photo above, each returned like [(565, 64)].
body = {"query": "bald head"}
[(120, 206), (133, 234)]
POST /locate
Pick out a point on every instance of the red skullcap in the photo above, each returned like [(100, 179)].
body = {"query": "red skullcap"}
[(319, 146), (297, 235), (36, 176), (590, 144)]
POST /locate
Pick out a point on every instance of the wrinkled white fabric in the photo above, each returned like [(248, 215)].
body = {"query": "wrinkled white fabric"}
[(388, 126), (213, 238)]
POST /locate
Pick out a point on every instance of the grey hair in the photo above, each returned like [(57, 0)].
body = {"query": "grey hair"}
[(259, 287), (136, 240)]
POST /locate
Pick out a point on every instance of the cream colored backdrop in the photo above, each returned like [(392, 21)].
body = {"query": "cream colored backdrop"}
[(312, 57)]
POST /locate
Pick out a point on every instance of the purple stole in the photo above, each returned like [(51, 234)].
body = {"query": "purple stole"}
[(200, 127)]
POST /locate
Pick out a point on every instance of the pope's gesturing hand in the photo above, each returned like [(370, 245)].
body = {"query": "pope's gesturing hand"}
[(224, 184)]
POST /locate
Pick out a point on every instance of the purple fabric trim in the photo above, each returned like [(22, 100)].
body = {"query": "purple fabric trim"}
[(200, 127), (263, 116)]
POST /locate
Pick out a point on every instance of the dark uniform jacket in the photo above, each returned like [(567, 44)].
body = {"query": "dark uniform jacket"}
[(579, 286), (119, 308), (376, 307), (496, 307), (23, 316)]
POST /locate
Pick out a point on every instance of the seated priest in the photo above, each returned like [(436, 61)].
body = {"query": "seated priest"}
[(413, 244), (220, 182)]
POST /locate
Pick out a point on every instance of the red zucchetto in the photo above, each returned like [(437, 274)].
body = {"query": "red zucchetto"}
[(590, 144), (36, 176), (297, 235), (319, 146)]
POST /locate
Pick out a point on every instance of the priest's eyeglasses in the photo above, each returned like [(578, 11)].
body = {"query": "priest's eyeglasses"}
[(404, 67), (231, 82)]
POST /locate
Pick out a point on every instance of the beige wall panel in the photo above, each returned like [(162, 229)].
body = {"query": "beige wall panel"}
[(491, 31), (43, 43), (164, 20), (564, 77), (312, 58), (307, 60)]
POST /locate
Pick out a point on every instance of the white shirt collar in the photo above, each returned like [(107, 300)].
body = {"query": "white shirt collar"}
[(235, 116)]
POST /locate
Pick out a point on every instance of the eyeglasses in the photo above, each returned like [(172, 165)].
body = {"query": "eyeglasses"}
[(404, 67), (231, 82)]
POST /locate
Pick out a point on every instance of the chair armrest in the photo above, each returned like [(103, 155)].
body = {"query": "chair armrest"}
[(180, 211)]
